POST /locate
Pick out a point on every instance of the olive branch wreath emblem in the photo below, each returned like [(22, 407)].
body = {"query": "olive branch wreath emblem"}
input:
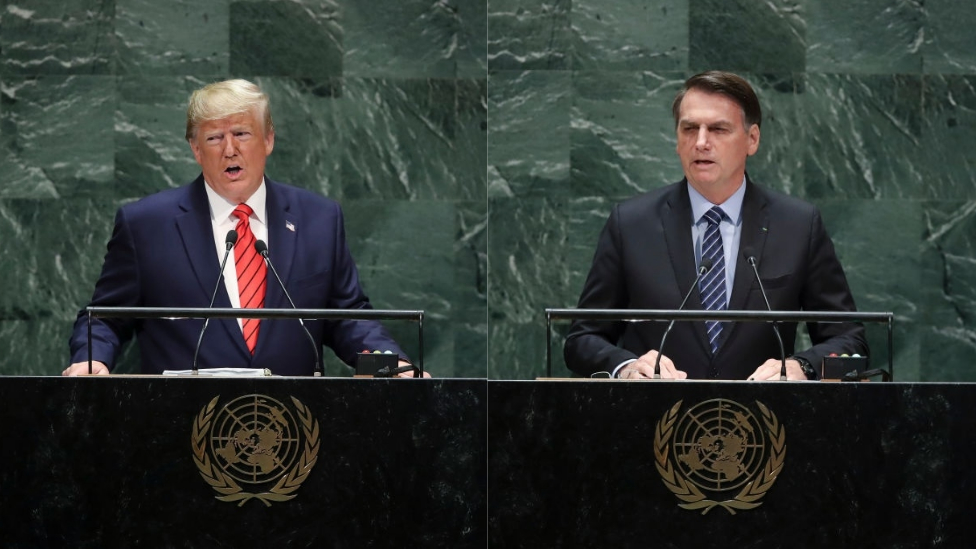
[(750, 495), (287, 484)]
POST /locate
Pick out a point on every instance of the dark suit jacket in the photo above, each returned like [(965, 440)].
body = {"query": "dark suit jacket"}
[(645, 259), (162, 254)]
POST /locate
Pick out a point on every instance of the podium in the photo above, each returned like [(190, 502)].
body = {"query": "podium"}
[(799, 464), (146, 461)]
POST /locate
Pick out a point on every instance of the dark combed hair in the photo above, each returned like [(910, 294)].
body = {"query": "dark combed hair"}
[(730, 85)]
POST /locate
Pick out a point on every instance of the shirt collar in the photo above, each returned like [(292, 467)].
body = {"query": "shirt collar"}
[(732, 207), (221, 209)]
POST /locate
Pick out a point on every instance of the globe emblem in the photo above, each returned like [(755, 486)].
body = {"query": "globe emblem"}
[(255, 439), (719, 445)]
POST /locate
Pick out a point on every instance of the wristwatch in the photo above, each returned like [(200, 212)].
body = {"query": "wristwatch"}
[(806, 367)]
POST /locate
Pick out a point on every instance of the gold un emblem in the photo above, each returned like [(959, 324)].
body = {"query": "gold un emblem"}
[(718, 448), (255, 442)]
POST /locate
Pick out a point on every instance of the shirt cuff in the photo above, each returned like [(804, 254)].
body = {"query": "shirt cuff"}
[(620, 367)]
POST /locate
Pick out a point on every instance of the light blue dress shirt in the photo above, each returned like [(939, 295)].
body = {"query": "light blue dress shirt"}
[(731, 229)]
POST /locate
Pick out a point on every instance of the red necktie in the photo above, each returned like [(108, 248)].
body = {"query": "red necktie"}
[(252, 274)]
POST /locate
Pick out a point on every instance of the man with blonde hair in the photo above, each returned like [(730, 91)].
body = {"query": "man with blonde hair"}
[(166, 251)]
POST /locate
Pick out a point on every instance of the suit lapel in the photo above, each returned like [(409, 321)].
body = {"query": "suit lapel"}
[(283, 227), (282, 234), (677, 230), (196, 232), (755, 225)]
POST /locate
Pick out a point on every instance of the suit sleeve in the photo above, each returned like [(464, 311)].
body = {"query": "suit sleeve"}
[(825, 288), (117, 286), (348, 337), (591, 346)]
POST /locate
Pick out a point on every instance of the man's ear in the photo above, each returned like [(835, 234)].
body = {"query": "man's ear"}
[(753, 139)]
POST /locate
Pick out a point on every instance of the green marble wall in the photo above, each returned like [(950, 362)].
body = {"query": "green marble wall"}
[(384, 106), (380, 105), (869, 113)]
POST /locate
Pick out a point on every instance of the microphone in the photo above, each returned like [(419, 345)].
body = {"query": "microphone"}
[(751, 260), (706, 265), (387, 372), (229, 242), (854, 375), (262, 250)]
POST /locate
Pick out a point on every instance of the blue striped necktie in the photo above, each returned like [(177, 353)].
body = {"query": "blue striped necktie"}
[(712, 285)]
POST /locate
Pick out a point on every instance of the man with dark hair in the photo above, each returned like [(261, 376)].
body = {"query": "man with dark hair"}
[(653, 245)]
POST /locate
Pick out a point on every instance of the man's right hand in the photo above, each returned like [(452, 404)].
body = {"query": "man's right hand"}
[(643, 368), (81, 369)]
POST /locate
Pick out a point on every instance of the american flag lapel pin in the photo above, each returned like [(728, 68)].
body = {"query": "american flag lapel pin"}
[(290, 226)]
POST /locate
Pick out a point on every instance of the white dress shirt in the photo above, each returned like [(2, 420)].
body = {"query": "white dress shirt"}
[(223, 220)]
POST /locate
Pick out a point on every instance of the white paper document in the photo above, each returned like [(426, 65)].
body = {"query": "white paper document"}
[(221, 372)]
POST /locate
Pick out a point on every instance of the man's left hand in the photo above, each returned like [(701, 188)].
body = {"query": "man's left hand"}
[(770, 370)]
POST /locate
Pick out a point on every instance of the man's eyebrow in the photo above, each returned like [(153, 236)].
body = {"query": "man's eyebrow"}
[(715, 124)]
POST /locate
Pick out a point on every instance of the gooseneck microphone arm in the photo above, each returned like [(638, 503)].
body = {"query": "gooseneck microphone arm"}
[(751, 259), (229, 242), (706, 265), (262, 249)]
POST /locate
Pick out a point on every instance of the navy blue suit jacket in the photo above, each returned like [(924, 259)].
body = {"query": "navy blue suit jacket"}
[(162, 254), (645, 259)]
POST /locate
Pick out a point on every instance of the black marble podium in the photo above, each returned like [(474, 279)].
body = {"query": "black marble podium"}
[(866, 465), (110, 462)]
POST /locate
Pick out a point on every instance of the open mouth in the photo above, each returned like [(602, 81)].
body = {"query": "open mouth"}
[(233, 171)]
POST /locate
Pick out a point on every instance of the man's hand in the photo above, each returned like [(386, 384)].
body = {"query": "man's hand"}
[(408, 374), (643, 368), (769, 371), (81, 369)]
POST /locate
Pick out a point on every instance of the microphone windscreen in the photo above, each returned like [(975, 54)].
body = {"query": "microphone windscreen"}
[(706, 263), (231, 237), (748, 255), (261, 247)]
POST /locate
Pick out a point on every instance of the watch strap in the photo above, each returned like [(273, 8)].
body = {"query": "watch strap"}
[(807, 368)]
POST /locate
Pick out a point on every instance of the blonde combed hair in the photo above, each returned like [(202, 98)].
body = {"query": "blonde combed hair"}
[(222, 99)]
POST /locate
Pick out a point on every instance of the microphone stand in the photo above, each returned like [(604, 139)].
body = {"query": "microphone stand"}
[(262, 249), (706, 265), (782, 351), (229, 242)]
